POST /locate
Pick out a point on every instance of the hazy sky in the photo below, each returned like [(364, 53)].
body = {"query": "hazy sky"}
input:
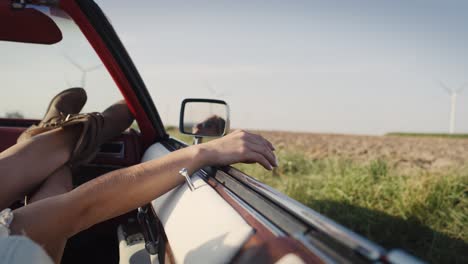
[(365, 67)]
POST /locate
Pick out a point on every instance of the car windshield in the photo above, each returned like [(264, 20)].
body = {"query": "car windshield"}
[(33, 73)]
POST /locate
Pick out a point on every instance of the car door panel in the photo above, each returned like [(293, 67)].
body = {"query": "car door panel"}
[(201, 226), (10, 129), (9, 136)]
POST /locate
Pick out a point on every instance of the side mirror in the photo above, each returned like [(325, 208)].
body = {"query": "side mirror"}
[(204, 118)]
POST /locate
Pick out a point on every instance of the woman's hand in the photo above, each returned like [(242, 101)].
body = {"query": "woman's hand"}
[(239, 146)]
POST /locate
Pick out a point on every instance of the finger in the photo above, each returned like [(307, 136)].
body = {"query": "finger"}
[(255, 138), (264, 141), (270, 144), (264, 151), (260, 159)]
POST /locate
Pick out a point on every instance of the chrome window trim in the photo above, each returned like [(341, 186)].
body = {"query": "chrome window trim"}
[(354, 241), (269, 225)]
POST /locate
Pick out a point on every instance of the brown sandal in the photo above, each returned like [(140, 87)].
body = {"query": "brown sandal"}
[(64, 104), (96, 129)]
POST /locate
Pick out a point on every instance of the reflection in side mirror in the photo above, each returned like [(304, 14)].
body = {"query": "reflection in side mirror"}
[(204, 118)]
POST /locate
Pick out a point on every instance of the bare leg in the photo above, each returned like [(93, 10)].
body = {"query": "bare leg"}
[(58, 183), (25, 165)]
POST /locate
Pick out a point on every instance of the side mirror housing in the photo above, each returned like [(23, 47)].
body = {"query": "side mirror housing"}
[(204, 118)]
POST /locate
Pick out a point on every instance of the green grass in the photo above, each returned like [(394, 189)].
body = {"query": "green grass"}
[(425, 214), (188, 139), (175, 133), (441, 135)]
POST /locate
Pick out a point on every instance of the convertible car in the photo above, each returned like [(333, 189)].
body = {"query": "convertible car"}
[(221, 216)]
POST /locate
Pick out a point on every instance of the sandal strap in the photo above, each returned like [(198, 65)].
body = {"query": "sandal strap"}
[(88, 141)]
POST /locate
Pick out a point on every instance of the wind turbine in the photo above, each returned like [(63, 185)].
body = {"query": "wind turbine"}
[(84, 71), (453, 99), (214, 92)]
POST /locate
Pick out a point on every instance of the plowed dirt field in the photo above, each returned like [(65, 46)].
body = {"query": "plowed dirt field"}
[(400, 152)]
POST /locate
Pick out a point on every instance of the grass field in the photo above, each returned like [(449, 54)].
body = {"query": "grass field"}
[(425, 214), (422, 210)]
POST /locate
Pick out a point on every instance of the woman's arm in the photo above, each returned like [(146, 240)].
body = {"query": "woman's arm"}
[(123, 190)]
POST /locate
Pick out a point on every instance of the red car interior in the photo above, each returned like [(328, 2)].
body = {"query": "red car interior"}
[(9, 136)]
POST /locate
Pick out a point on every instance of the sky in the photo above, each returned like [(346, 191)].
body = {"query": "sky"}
[(362, 67)]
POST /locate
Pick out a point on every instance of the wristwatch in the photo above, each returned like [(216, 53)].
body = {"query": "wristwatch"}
[(6, 217)]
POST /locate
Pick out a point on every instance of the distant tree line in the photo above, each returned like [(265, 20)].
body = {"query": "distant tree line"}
[(14, 114)]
